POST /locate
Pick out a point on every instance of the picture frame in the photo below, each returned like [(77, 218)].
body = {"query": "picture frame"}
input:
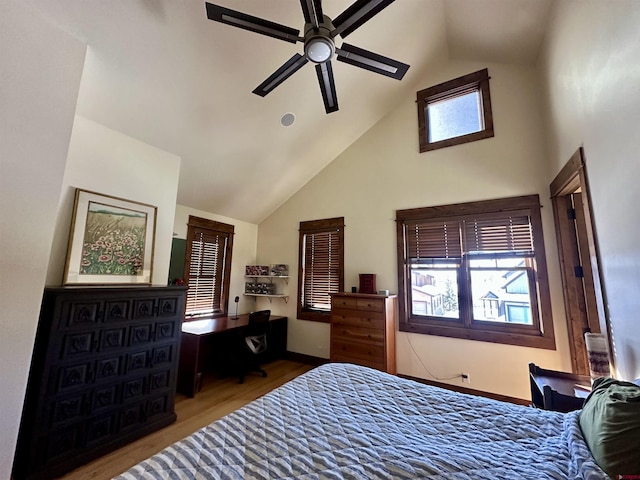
[(111, 241)]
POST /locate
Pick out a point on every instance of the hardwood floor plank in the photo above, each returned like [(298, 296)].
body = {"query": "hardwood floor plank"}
[(217, 398)]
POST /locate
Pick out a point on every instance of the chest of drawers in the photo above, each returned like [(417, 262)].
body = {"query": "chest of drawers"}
[(103, 373), (363, 330)]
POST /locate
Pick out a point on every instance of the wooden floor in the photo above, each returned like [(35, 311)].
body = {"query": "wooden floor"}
[(217, 398)]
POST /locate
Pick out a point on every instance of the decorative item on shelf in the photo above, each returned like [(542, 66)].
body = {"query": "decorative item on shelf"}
[(367, 283), (279, 270), (598, 355), (383, 292), (260, 288), (111, 241), (256, 270)]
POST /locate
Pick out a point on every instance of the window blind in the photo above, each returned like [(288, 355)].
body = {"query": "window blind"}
[(433, 239), (321, 267), (207, 258), (510, 233), (322, 260)]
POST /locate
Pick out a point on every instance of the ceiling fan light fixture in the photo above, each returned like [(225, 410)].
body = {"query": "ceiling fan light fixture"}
[(319, 49)]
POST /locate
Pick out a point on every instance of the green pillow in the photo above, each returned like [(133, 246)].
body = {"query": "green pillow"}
[(610, 423)]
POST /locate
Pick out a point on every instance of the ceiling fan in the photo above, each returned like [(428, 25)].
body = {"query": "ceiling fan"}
[(320, 47)]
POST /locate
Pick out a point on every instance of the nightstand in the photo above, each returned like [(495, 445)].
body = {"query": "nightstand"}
[(552, 390)]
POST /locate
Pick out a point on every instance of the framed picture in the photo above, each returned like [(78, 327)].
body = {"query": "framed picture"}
[(111, 241)]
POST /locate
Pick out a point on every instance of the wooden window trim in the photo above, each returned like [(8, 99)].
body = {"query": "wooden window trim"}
[(310, 227), (221, 228), (477, 81), (522, 335)]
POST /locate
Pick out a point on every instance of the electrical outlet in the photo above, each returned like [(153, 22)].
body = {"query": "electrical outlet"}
[(466, 378)]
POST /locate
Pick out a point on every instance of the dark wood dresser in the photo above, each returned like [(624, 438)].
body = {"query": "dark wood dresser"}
[(363, 330), (103, 373)]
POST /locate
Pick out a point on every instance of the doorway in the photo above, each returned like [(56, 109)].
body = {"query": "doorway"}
[(579, 263)]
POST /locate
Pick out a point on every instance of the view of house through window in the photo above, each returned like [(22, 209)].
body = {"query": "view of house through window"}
[(207, 268), (475, 271), (455, 112), (499, 290), (321, 267)]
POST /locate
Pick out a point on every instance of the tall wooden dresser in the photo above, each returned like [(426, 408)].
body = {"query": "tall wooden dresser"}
[(363, 330), (103, 373)]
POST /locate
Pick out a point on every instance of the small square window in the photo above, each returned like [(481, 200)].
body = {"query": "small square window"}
[(454, 112)]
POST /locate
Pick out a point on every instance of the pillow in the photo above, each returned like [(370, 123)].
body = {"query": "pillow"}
[(610, 423)]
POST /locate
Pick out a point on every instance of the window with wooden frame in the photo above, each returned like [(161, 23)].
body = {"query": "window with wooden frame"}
[(476, 271), (455, 112), (207, 268), (320, 267)]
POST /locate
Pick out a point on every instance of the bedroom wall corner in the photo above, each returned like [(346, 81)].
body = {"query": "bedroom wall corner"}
[(40, 71), (105, 161)]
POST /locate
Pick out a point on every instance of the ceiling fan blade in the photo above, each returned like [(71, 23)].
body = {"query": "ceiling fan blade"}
[(371, 61), (327, 86), (312, 10), (285, 71), (251, 23), (357, 14)]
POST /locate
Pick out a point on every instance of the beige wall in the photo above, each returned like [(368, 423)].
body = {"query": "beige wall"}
[(108, 162), (40, 69), (382, 172), (244, 251), (592, 80)]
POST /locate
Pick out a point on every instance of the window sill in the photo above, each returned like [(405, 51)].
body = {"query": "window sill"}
[(508, 338), (315, 316), (450, 142)]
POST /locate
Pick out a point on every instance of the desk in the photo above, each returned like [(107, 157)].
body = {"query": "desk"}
[(208, 345), (552, 390)]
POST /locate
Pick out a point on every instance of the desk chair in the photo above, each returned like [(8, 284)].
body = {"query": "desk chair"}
[(255, 342)]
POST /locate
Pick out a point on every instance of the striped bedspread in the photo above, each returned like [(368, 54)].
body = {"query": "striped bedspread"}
[(341, 421)]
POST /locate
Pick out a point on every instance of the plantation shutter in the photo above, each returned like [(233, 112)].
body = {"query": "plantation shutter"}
[(322, 262), (207, 267), (433, 239), (499, 233)]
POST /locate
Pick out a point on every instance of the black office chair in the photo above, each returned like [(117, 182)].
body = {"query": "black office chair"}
[(254, 343)]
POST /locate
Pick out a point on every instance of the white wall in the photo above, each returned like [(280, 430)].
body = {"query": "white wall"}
[(592, 80), (108, 162), (383, 171), (244, 251), (40, 69)]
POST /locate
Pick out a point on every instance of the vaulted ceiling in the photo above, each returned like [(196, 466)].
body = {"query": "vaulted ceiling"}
[(161, 72)]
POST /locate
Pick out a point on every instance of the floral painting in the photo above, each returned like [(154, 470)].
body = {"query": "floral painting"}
[(111, 241)]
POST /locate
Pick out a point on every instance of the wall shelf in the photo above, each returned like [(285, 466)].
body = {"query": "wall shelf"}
[(270, 277), (269, 296)]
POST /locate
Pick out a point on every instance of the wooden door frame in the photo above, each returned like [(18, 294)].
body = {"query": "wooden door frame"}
[(584, 298)]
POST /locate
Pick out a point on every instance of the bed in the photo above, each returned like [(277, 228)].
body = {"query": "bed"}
[(342, 421)]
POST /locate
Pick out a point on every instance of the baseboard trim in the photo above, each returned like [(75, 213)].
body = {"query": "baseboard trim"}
[(470, 391), (306, 359)]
